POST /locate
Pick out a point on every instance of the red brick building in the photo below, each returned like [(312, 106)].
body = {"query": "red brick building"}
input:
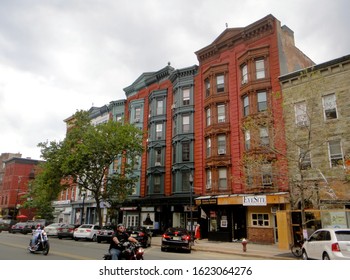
[(240, 149), (17, 174)]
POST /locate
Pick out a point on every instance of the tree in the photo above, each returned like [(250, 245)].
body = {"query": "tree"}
[(84, 158)]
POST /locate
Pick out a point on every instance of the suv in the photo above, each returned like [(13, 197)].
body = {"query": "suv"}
[(105, 234), (176, 238), (328, 244)]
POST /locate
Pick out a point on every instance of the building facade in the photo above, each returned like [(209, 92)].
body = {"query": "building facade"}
[(239, 130), (316, 103), (16, 176)]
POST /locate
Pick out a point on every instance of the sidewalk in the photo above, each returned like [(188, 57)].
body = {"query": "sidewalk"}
[(270, 252)]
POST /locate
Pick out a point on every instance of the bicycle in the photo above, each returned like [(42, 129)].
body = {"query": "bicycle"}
[(296, 248)]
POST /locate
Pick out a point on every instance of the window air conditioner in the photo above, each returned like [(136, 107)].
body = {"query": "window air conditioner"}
[(221, 151), (157, 163)]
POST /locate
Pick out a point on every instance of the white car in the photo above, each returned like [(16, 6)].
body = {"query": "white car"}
[(51, 230), (328, 244), (86, 231)]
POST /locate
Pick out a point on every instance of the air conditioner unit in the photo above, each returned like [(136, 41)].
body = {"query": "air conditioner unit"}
[(221, 120), (221, 151), (137, 120), (173, 106), (157, 163), (208, 186)]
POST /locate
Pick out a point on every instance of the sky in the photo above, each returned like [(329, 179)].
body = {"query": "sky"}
[(60, 56)]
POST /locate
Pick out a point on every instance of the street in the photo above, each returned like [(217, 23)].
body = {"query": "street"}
[(14, 247)]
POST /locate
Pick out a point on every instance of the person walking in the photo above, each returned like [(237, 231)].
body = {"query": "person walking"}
[(118, 238)]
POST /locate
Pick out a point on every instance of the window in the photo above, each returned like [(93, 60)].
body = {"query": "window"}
[(301, 117), (260, 68), (222, 178), (174, 153), (185, 123), (158, 155), (159, 131), (220, 83), (221, 113), (207, 87), (208, 115), (208, 175), (335, 153), (244, 73), (266, 175), (264, 136), (186, 96), (137, 114), (208, 144), (330, 107), (185, 151), (156, 184), (246, 105), (262, 101), (221, 144), (160, 109), (247, 140), (260, 219), (304, 159)]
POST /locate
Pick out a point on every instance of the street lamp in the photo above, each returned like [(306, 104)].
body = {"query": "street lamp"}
[(190, 179), (83, 193)]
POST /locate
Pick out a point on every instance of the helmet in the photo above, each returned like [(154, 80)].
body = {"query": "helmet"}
[(38, 225)]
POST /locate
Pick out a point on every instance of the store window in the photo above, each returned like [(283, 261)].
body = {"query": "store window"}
[(260, 220)]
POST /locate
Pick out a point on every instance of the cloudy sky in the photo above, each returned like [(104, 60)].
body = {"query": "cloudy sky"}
[(60, 56)]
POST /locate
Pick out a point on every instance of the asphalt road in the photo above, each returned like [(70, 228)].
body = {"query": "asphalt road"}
[(14, 247)]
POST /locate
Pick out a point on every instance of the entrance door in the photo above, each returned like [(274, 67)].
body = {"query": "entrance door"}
[(239, 222)]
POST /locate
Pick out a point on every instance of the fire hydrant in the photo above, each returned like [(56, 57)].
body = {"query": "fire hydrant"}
[(244, 244)]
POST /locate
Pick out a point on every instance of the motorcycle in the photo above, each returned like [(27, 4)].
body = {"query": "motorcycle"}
[(130, 251), (42, 244)]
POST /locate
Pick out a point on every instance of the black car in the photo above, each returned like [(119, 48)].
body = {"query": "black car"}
[(66, 231), (141, 234), (21, 227), (176, 238), (105, 234)]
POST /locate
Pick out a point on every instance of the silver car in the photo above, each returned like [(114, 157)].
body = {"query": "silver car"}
[(51, 230), (328, 244)]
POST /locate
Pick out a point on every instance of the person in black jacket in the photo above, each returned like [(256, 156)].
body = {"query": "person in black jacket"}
[(118, 237)]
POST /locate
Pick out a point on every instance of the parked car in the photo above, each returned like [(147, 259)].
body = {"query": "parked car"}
[(51, 230), (176, 238), (6, 224), (105, 234), (141, 234), (86, 231), (327, 244), (21, 227), (66, 231)]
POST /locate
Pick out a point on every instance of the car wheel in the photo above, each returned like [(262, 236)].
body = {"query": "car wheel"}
[(304, 255), (98, 240), (163, 249), (325, 257), (76, 239), (94, 238), (59, 237)]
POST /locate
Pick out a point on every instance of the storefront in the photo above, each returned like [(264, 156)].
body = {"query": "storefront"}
[(234, 217)]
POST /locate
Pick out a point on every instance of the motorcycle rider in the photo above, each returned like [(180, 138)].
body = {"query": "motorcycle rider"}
[(36, 234), (118, 237)]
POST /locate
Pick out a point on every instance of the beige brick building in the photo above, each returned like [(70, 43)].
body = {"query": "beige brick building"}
[(317, 122)]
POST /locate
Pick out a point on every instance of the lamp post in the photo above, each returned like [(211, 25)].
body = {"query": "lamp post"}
[(83, 193), (190, 179)]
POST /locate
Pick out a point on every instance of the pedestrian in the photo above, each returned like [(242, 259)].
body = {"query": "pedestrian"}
[(197, 233)]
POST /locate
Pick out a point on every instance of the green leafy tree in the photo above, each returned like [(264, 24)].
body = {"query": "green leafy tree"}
[(84, 158)]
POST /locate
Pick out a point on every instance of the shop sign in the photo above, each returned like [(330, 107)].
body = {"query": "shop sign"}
[(209, 201), (256, 200)]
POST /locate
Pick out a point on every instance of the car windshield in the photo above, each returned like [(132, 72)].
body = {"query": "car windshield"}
[(343, 235)]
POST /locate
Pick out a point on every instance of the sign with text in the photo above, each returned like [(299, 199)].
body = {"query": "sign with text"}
[(254, 200)]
